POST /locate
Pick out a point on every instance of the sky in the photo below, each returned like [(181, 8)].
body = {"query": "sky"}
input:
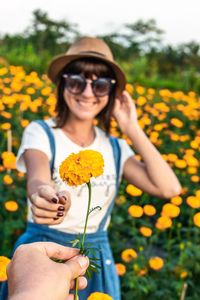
[(180, 19)]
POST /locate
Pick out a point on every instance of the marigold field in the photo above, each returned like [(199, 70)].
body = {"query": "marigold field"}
[(156, 242)]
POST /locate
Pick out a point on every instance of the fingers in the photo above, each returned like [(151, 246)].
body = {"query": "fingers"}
[(48, 210), (65, 199), (55, 250), (82, 283), (77, 266), (47, 192)]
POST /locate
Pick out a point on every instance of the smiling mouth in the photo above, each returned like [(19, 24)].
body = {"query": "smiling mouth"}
[(85, 103)]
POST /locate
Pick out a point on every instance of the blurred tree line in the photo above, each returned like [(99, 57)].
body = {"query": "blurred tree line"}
[(138, 47)]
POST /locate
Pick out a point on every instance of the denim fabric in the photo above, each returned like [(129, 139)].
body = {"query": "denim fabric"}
[(105, 281)]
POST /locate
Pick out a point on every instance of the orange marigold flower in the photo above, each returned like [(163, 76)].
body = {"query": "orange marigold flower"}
[(195, 178), (156, 263), (11, 205), (145, 231), (135, 211), (129, 88), (128, 254), (4, 261), (176, 122), (163, 223), (24, 123), (193, 202), (196, 219), (99, 296), (176, 200), (149, 210), (180, 163), (9, 160), (120, 200), (142, 272), (170, 210), (183, 274), (78, 168), (5, 126), (133, 191), (7, 179), (121, 269)]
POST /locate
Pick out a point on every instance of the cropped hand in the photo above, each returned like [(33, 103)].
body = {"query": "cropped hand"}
[(49, 207), (125, 111), (33, 275)]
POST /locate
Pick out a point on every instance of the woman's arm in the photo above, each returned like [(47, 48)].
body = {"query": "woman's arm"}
[(48, 206), (153, 175)]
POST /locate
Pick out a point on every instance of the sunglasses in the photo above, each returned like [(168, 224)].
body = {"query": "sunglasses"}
[(76, 84)]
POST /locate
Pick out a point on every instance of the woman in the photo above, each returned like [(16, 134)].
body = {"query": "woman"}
[(90, 85)]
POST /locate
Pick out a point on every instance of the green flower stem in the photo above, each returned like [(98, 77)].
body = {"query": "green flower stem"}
[(84, 233), (87, 215)]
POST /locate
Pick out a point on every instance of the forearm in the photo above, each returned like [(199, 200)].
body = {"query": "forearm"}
[(158, 171)]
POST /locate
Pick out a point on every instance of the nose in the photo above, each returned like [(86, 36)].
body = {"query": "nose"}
[(88, 92)]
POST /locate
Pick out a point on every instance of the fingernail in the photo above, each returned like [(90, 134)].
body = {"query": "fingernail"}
[(64, 198), (55, 219), (54, 200), (61, 208), (83, 261), (60, 214)]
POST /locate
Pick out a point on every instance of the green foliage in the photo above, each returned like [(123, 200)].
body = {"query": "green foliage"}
[(137, 46)]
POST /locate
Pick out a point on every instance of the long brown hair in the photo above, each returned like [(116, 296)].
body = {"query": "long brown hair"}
[(88, 67)]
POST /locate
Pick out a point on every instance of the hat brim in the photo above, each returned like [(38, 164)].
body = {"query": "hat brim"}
[(59, 62)]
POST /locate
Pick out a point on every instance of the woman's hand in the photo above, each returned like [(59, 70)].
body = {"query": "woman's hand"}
[(49, 207), (125, 112)]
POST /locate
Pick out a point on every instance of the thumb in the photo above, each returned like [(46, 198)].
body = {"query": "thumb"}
[(77, 266)]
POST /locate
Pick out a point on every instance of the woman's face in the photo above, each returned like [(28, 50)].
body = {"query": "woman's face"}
[(85, 106)]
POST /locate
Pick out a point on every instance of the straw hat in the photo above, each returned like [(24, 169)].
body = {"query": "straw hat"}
[(87, 47)]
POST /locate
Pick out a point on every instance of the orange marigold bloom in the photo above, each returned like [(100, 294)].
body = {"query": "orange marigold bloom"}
[(172, 157), (176, 200), (78, 168), (184, 274), (145, 231), (133, 191), (170, 210), (163, 223), (180, 163), (121, 269), (5, 126), (11, 205), (128, 254), (7, 179), (24, 123), (196, 219), (176, 122), (156, 263), (135, 211), (142, 272), (120, 200), (195, 178), (129, 88), (149, 210), (9, 160), (99, 296), (193, 202), (4, 261)]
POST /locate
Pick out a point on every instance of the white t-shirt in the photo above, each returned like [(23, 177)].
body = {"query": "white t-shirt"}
[(103, 187)]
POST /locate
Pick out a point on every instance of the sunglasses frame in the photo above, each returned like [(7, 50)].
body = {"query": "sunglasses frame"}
[(92, 82)]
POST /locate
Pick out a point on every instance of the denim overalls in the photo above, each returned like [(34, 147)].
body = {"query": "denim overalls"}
[(106, 281)]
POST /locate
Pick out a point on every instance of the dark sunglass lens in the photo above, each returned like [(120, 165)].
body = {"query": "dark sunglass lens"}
[(75, 84), (101, 86)]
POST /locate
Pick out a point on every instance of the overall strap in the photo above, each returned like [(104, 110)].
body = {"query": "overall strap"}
[(51, 138), (117, 158)]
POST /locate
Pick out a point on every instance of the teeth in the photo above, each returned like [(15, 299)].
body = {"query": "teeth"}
[(83, 103)]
